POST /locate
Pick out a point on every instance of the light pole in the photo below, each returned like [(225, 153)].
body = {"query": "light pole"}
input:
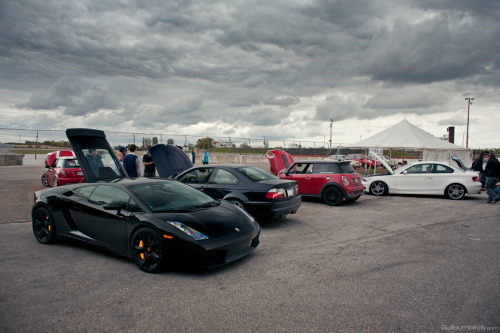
[(469, 102), (331, 126)]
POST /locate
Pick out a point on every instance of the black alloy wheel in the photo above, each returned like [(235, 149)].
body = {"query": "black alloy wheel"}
[(379, 188), (332, 196), (455, 191), (43, 226), (148, 250)]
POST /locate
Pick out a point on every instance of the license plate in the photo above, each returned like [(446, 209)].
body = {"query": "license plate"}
[(290, 192), (79, 173)]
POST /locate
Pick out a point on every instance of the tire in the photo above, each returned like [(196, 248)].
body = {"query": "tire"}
[(44, 180), (332, 196), (455, 192), (379, 188), (148, 250), (237, 203), (43, 226)]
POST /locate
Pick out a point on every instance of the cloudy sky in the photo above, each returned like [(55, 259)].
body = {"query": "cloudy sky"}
[(248, 69)]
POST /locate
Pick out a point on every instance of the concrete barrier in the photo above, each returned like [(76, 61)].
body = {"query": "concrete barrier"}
[(7, 158)]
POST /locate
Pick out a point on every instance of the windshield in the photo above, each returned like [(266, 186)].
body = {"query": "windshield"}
[(70, 163), (168, 196), (256, 174)]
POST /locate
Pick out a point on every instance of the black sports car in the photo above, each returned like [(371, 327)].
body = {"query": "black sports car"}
[(257, 191), (156, 222)]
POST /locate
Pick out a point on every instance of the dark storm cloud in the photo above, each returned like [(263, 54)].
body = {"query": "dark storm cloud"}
[(77, 97), (246, 64), (455, 43)]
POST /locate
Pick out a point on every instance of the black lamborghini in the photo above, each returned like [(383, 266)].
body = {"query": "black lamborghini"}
[(156, 222)]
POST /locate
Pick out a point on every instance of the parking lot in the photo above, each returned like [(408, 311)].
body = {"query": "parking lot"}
[(395, 263)]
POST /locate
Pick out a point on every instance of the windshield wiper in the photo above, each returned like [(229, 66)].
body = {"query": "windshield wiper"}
[(209, 204)]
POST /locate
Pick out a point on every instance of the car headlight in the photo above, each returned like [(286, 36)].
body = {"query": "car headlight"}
[(365, 179), (188, 230)]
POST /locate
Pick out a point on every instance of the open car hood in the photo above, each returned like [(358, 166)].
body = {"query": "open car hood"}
[(169, 160), (94, 155), (279, 160), (382, 161)]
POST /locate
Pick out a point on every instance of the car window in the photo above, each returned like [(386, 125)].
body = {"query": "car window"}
[(197, 176), (85, 192), (324, 168), (224, 177), (439, 168), (256, 174), (105, 194), (70, 164), (420, 168), (345, 168), (299, 168)]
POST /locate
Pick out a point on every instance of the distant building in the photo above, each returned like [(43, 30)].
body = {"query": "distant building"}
[(223, 144)]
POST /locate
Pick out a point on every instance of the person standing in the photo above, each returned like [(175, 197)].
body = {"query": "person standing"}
[(149, 165), (492, 172), (205, 158), (113, 165), (131, 163), (477, 165), (193, 155)]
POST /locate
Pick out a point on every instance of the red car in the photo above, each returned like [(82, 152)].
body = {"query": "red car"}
[(333, 181), (62, 168), (364, 160)]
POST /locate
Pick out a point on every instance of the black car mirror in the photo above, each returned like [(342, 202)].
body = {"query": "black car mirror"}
[(47, 166), (114, 206)]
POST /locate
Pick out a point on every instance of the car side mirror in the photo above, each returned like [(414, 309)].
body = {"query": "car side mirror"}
[(47, 166), (114, 206)]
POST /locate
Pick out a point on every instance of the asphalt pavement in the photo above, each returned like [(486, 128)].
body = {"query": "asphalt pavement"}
[(380, 264)]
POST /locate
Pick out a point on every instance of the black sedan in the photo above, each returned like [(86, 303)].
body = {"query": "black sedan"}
[(257, 191), (154, 221)]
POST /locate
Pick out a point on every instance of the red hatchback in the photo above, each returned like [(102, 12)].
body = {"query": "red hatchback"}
[(333, 181), (364, 160), (64, 170)]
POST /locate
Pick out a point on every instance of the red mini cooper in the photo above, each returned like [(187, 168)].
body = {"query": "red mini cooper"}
[(333, 181)]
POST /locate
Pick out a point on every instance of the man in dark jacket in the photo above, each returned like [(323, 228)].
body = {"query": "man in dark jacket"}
[(477, 165), (131, 163), (492, 172)]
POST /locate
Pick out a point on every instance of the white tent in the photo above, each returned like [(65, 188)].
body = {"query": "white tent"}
[(406, 136)]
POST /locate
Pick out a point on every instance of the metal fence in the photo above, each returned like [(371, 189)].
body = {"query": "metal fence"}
[(40, 136)]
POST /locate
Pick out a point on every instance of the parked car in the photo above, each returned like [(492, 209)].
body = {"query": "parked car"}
[(333, 181), (364, 160), (336, 157), (62, 168), (424, 177), (156, 222), (355, 164), (257, 191)]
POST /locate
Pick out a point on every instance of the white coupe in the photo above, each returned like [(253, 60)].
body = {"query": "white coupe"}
[(426, 177)]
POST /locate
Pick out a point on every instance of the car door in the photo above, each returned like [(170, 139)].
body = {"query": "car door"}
[(302, 174), (105, 227), (321, 174), (415, 179), (442, 177), (197, 178), (221, 183)]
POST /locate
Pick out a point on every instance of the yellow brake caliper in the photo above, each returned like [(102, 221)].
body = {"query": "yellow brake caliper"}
[(141, 245)]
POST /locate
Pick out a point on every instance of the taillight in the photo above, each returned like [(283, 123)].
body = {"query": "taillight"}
[(275, 193), (475, 179), (345, 181), (62, 173)]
